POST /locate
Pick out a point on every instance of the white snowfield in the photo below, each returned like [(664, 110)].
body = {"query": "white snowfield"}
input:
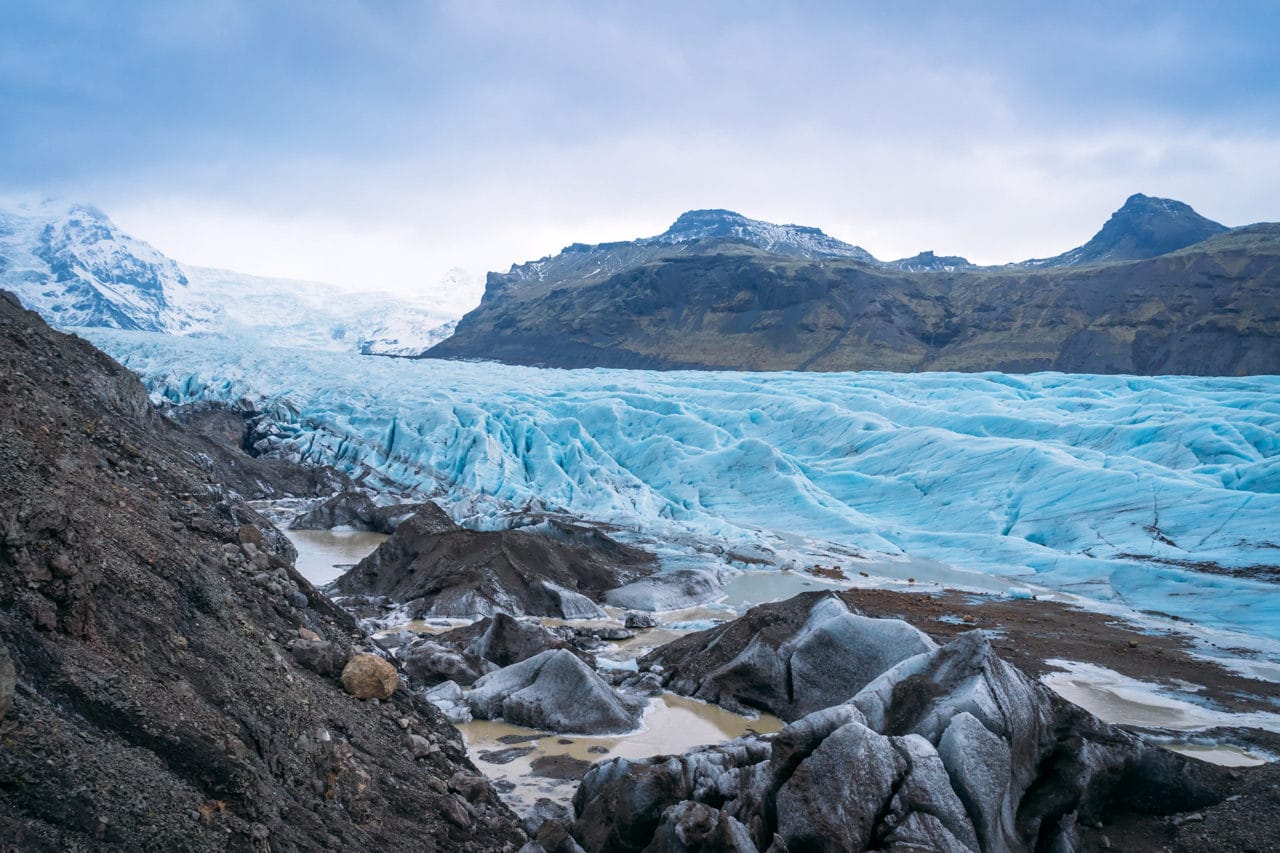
[(76, 268), (1157, 494)]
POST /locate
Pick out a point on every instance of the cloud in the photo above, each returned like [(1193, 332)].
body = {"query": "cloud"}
[(390, 141)]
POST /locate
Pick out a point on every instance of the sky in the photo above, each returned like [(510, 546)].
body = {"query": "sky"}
[(378, 145)]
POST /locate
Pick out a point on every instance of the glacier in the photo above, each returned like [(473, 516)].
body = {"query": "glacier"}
[(1157, 495), (75, 267)]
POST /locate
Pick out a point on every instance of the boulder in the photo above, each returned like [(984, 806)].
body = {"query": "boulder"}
[(430, 662), (639, 621), (369, 677), (555, 691), (788, 658), (319, 656)]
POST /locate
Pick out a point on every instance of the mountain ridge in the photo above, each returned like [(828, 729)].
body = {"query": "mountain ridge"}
[(724, 303), (76, 268)]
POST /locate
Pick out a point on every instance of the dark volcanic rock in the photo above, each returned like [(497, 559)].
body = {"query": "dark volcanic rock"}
[(555, 691), (950, 750), (157, 703), (1144, 227), (440, 569), (353, 509), (788, 658)]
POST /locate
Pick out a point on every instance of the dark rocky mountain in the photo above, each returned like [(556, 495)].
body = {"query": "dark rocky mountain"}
[(168, 681), (1144, 227), (1211, 307)]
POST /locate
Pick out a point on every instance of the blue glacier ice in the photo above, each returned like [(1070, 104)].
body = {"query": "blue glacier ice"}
[(1156, 494)]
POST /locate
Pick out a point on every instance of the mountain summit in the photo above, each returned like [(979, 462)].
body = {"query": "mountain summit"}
[(1145, 227), (800, 241)]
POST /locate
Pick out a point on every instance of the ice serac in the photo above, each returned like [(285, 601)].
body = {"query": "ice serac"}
[(951, 749), (1157, 494)]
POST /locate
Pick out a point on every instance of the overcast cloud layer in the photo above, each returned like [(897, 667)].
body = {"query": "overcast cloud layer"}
[(377, 145)]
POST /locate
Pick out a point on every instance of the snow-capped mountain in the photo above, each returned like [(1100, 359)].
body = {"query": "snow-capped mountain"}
[(799, 241), (75, 268), (73, 265)]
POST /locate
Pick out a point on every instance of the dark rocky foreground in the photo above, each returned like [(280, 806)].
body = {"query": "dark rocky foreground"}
[(153, 636)]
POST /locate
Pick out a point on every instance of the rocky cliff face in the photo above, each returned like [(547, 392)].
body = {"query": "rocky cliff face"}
[(1211, 308), (167, 680)]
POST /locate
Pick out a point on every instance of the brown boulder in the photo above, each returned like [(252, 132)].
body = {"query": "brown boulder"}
[(369, 677)]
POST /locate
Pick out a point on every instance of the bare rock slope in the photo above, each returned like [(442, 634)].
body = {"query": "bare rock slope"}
[(167, 680)]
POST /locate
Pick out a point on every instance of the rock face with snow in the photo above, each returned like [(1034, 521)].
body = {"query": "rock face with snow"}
[(789, 658), (555, 691), (1159, 290), (950, 749), (76, 268), (438, 568)]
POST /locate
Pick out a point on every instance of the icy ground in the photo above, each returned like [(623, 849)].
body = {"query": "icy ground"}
[(1156, 494)]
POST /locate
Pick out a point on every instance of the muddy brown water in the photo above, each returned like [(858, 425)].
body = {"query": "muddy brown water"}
[(672, 724)]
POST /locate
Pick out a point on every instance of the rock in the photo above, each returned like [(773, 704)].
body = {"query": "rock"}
[(687, 827), (441, 569), (8, 682), (544, 810), (418, 746), (368, 676), (674, 590), (789, 658), (319, 656), (639, 621), (432, 663), (455, 810), (555, 691), (297, 599)]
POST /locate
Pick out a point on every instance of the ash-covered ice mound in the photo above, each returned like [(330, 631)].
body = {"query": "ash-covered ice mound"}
[(354, 509), (555, 691), (951, 749), (788, 658), (440, 569)]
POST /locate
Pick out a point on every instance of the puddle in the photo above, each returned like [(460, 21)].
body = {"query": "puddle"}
[(672, 724), (324, 555), (1224, 754), (1116, 698)]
